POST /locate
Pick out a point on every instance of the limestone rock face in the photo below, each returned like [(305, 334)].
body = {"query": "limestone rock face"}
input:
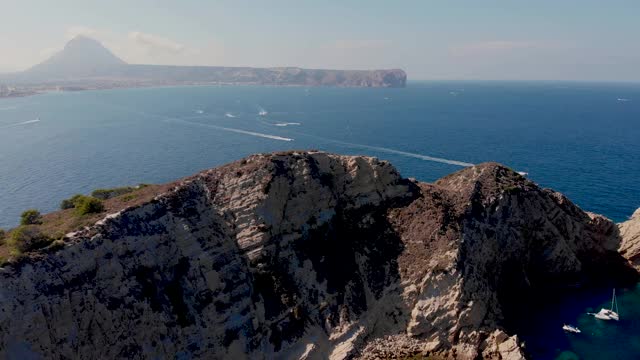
[(305, 255), (630, 234)]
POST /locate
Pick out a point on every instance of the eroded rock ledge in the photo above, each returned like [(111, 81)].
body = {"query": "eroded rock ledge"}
[(306, 255)]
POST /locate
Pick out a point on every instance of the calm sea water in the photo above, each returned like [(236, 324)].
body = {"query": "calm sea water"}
[(581, 139), (541, 329)]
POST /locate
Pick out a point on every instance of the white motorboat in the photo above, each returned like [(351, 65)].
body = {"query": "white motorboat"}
[(571, 329)]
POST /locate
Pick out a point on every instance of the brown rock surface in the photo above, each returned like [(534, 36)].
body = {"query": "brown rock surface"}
[(630, 234), (305, 255)]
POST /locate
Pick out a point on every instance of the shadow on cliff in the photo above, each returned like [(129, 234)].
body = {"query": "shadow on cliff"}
[(336, 272), (546, 248)]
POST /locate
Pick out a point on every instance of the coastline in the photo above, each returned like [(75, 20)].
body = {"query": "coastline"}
[(54, 89)]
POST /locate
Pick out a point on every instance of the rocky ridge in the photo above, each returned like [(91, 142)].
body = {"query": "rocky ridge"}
[(307, 255)]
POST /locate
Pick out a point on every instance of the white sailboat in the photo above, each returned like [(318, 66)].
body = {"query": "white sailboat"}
[(609, 314)]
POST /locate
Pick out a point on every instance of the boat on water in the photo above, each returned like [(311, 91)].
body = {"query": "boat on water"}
[(263, 113), (609, 314), (571, 329)]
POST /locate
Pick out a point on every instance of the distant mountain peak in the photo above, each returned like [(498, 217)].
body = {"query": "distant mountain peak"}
[(81, 41), (81, 56), (84, 63)]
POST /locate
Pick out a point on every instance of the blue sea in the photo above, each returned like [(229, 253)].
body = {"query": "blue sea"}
[(582, 139)]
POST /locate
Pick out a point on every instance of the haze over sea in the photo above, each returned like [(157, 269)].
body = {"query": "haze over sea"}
[(582, 139)]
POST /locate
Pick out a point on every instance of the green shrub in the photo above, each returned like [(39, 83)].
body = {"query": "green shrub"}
[(88, 205), (26, 238), (70, 203), (83, 204), (105, 194), (31, 217)]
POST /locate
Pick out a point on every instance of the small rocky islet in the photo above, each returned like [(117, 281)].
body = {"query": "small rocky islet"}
[(305, 255)]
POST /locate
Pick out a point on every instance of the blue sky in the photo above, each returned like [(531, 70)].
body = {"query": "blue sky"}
[(544, 39)]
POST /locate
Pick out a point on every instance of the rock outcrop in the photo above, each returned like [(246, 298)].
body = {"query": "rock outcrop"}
[(630, 234), (306, 255)]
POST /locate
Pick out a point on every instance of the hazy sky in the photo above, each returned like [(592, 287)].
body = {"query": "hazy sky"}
[(509, 39)]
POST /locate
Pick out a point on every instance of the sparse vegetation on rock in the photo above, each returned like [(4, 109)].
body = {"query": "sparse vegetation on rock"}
[(83, 204), (105, 194), (48, 231), (70, 203), (30, 217), (27, 238), (88, 205)]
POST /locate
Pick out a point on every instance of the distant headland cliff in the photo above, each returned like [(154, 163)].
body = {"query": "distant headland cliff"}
[(301, 255), (85, 64)]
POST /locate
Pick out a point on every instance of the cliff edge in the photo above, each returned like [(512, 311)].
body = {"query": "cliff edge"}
[(630, 233), (306, 255)]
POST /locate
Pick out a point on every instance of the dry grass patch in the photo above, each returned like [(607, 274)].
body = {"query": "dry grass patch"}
[(53, 226)]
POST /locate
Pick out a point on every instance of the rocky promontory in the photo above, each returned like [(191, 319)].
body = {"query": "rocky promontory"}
[(307, 255), (85, 64)]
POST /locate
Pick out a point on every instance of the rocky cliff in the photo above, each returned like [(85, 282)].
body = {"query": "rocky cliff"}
[(306, 255), (630, 234)]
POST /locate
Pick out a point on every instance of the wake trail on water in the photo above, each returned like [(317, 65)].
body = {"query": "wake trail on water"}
[(183, 121), (21, 123), (279, 124), (281, 138), (239, 131), (391, 151)]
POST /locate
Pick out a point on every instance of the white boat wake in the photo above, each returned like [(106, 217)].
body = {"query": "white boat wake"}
[(21, 123), (229, 115), (182, 121), (239, 131), (393, 151), (287, 124)]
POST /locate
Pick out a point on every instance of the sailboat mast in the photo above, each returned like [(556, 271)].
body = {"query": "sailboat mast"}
[(613, 298)]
